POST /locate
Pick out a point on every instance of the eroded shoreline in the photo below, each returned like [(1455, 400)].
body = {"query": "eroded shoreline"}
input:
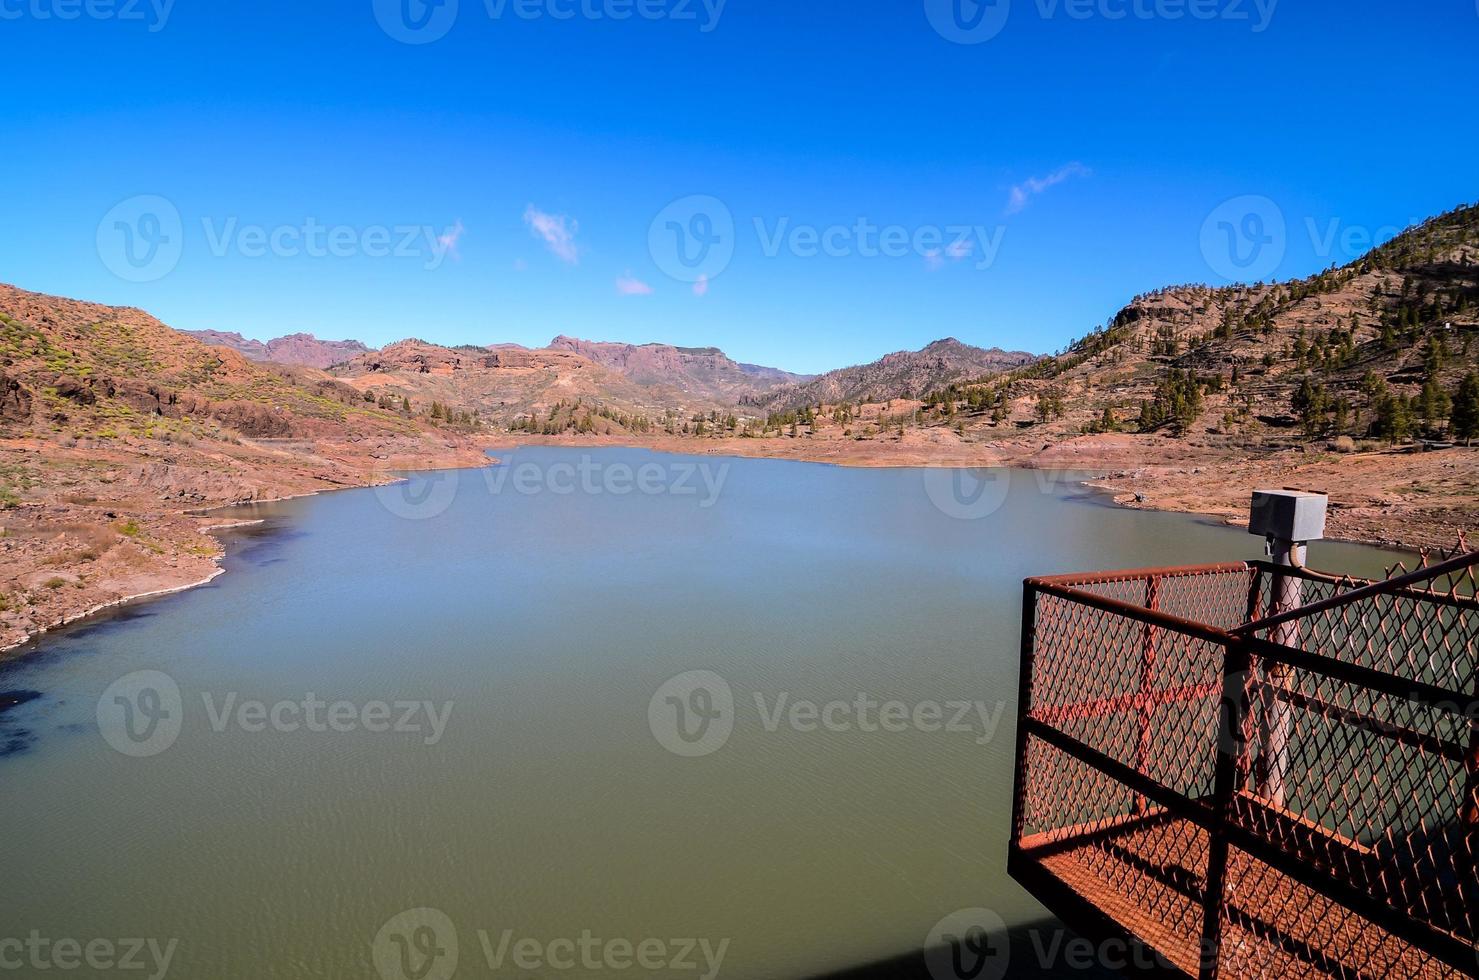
[(1214, 488)]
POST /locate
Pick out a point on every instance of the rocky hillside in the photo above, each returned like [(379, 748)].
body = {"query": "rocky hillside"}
[(1376, 349), (298, 348), (115, 430), (507, 382), (904, 374), (704, 372)]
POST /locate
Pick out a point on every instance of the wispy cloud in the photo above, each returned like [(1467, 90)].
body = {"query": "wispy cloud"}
[(557, 232), (701, 286), (957, 250), (1024, 192), (447, 241), (628, 285)]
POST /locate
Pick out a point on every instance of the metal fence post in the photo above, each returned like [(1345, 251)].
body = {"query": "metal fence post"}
[(1288, 519), (1024, 696), (1230, 748), (1146, 709)]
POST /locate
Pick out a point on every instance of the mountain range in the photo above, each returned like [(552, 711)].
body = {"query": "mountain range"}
[(506, 380)]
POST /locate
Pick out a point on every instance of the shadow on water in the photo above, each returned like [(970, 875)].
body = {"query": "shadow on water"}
[(1042, 949), (14, 740), (256, 545), (259, 544)]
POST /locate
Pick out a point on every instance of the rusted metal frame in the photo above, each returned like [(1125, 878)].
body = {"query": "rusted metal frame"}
[(1445, 946), (1057, 841), (1236, 662), (1452, 751), (1314, 574), (1175, 801), (1088, 920), (1136, 574), (1425, 595), (1420, 692), (1145, 710), (1126, 702), (1178, 624), (1024, 699), (1387, 587), (1245, 733), (1469, 822)]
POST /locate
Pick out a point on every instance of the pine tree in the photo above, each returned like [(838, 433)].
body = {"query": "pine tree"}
[(1434, 404), (1465, 418)]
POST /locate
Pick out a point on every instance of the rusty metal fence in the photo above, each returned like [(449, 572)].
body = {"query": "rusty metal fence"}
[(1256, 770)]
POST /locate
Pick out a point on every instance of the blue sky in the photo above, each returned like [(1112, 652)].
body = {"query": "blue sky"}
[(528, 169)]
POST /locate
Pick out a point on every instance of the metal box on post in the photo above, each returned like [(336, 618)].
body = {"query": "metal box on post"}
[(1288, 515)]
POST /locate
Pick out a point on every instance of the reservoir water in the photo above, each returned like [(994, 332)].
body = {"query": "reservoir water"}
[(603, 703)]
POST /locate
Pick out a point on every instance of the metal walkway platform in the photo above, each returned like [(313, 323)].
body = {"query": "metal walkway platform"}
[(1256, 769)]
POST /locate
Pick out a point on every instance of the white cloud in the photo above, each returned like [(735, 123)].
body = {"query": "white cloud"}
[(447, 241), (1024, 192), (557, 232), (628, 285)]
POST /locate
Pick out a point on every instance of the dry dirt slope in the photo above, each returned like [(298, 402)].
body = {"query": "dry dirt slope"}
[(113, 427)]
